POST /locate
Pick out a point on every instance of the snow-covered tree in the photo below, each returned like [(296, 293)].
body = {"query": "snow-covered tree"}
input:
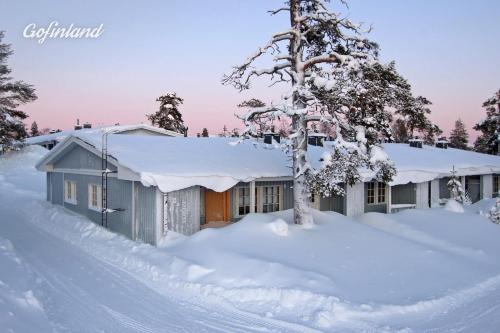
[(168, 116), (431, 133), (12, 95), (415, 113), (456, 189), (494, 213), (204, 132), (399, 131), (34, 129), (459, 136), (488, 141), (318, 47)]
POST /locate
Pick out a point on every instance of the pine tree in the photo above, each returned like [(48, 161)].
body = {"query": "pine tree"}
[(12, 95), (456, 189), (415, 111), (399, 131), (459, 136), (34, 129), (204, 132), (168, 116), (317, 47), (488, 141), (431, 133)]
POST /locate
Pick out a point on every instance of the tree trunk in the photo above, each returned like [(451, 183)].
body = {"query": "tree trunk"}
[(301, 213)]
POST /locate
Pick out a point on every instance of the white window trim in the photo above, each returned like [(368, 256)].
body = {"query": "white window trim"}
[(260, 197), (99, 198), (72, 186), (237, 201), (375, 195)]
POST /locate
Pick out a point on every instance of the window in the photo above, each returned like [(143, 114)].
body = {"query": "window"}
[(376, 193), (95, 197), (370, 193), (381, 192), (270, 199), (243, 200), (70, 192)]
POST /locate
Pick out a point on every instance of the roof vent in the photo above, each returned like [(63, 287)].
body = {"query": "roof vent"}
[(269, 136), (442, 143), (316, 139), (87, 125), (416, 142)]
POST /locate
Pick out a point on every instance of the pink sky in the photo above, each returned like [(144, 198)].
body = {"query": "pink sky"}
[(447, 50)]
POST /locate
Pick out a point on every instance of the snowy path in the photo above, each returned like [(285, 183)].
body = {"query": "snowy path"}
[(83, 294)]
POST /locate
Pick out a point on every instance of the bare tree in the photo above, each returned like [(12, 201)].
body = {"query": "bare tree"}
[(319, 43)]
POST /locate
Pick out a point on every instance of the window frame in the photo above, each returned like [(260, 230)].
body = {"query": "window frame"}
[(98, 197), (373, 192), (70, 192), (277, 193), (379, 194)]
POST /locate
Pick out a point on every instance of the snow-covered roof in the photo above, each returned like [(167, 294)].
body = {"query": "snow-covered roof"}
[(60, 136), (220, 163)]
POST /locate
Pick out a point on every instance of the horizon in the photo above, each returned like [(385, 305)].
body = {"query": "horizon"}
[(146, 50)]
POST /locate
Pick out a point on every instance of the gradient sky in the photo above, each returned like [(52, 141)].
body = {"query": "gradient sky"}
[(449, 51)]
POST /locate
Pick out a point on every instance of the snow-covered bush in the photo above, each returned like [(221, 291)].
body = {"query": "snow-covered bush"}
[(494, 214)]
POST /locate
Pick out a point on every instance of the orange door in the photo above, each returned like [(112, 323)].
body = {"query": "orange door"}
[(216, 206)]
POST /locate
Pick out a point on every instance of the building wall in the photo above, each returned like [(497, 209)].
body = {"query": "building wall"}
[(354, 200), (486, 186), (77, 157), (182, 210), (422, 195), (144, 226), (335, 203), (141, 131), (119, 196), (404, 194)]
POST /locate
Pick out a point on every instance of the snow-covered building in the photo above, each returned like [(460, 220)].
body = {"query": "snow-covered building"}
[(156, 183), (50, 140)]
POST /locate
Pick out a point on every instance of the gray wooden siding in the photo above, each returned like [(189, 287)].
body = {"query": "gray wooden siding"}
[(119, 196), (378, 208), (76, 157), (444, 193), (182, 210), (335, 204), (56, 187), (403, 194), (145, 213)]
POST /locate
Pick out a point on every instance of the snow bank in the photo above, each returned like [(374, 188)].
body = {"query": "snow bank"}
[(403, 271), (454, 206)]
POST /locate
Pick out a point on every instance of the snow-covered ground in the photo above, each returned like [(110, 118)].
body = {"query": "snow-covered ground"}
[(419, 270)]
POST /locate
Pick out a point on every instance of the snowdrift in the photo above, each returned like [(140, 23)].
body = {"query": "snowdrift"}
[(412, 271)]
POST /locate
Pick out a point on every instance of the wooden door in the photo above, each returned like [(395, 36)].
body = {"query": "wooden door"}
[(216, 206)]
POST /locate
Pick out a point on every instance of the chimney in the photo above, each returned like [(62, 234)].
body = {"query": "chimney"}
[(416, 142), (77, 126), (442, 143)]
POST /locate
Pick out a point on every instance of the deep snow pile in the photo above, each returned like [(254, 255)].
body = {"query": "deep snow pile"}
[(411, 271)]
